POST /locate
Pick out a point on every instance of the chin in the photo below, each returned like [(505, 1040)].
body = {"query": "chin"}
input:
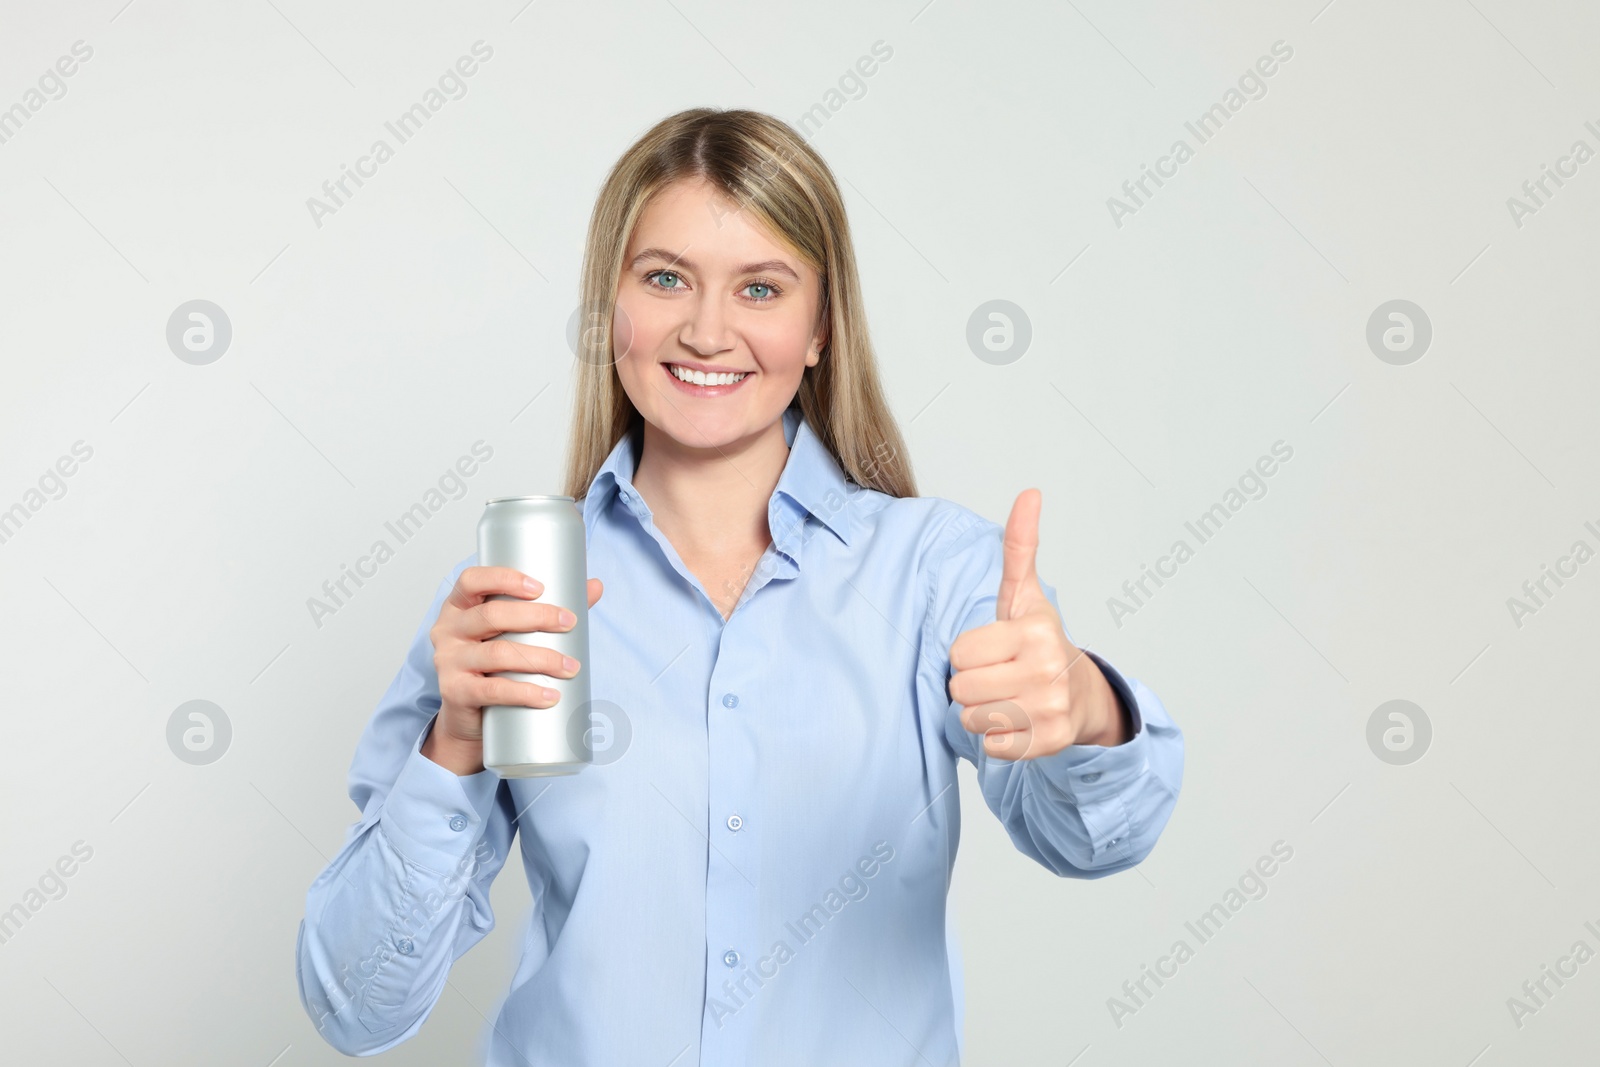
[(717, 431)]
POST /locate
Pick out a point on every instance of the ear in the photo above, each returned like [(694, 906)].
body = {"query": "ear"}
[(818, 343)]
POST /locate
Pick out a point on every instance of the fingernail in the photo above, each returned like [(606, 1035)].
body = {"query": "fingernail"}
[(569, 663), (567, 617), (531, 585), (551, 694)]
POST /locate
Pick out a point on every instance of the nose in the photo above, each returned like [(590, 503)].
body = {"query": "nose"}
[(706, 330)]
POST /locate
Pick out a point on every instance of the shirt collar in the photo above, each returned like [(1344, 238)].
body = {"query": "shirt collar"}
[(812, 483)]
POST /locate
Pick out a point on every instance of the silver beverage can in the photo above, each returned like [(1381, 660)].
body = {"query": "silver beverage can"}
[(543, 537)]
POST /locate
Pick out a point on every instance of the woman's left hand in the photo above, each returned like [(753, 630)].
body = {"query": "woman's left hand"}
[(1023, 684)]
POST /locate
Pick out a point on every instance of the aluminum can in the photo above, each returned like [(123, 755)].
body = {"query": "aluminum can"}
[(543, 537)]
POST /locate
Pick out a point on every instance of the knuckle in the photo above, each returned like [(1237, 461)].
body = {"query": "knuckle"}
[(1013, 717), (513, 655), (502, 655), (494, 614), (489, 691), (522, 694)]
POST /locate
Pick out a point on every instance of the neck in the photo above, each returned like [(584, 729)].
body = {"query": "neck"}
[(711, 500)]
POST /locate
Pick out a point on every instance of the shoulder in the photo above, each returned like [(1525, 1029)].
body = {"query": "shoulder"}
[(949, 554), (924, 530)]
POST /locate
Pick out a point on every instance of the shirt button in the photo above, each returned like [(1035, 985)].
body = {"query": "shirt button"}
[(729, 700), (405, 946), (1092, 776), (458, 822), (734, 822), (731, 958)]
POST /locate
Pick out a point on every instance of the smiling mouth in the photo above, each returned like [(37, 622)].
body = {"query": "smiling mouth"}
[(702, 379)]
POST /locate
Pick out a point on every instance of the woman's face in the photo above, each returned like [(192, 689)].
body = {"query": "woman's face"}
[(703, 288)]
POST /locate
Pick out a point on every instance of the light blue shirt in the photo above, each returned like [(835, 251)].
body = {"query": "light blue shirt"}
[(760, 875)]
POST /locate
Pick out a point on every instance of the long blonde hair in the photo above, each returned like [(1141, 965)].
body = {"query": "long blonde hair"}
[(764, 167)]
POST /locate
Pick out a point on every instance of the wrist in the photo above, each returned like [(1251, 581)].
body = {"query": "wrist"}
[(460, 757), (1115, 729)]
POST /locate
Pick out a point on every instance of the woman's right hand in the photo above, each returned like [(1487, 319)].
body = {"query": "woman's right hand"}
[(465, 654)]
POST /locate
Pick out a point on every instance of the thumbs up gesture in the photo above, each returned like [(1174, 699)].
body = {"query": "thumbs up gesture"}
[(1022, 683)]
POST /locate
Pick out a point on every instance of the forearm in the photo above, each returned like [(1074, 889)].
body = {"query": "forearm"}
[(346, 943), (406, 895)]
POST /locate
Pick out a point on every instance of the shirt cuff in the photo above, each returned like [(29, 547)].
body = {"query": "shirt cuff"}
[(1096, 778), (433, 816)]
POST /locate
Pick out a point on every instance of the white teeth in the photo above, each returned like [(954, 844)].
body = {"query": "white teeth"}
[(696, 377)]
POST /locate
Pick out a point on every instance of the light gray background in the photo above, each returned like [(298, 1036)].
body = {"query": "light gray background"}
[(1167, 355)]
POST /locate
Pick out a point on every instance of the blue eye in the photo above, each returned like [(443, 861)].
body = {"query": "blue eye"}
[(671, 281)]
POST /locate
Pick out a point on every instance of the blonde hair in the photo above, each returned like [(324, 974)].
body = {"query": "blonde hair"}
[(765, 168)]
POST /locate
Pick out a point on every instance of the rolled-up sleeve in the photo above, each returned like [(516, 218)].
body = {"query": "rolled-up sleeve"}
[(1088, 810), (408, 893)]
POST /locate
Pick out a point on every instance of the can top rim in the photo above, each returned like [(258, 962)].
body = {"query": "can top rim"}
[(512, 499)]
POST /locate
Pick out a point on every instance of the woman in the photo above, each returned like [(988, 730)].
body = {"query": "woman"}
[(792, 649)]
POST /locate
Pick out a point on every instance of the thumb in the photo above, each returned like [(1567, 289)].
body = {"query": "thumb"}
[(1019, 580)]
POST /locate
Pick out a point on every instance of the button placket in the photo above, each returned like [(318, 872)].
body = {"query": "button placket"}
[(732, 898)]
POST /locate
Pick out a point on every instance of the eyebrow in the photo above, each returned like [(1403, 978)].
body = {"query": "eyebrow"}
[(770, 266)]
